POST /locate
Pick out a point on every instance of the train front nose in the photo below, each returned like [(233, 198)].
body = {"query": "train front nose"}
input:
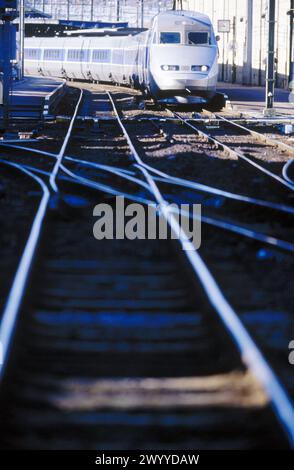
[(184, 81), (182, 69)]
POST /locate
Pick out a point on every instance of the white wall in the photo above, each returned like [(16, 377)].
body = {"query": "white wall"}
[(246, 48)]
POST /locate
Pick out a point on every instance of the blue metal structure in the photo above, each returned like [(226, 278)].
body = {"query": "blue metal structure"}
[(33, 13), (94, 24), (8, 4), (8, 40), (12, 45)]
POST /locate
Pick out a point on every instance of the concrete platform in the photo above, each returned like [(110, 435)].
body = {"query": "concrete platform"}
[(251, 100), (33, 97)]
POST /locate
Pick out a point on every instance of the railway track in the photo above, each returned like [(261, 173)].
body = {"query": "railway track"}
[(199, 268), (229, 136), (255, 208), (15, 297), (259, 136), (76, 383), (268, 141), (286, 171), (18, 203), (115, 350)]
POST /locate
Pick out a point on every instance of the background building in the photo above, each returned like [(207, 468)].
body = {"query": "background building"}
[(107, 10), (243, 51)]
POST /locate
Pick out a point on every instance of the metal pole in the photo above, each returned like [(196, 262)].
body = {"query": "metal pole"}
[(142, 13), (291, 72), (92, 10), (234, 69), (6, 73), (247, 67), (223, 59), (117, 10), (21, 36), (178, 4), (270, 73)]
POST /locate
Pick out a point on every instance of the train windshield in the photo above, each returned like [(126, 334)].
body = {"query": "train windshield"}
[(197, 37), (170, 38)]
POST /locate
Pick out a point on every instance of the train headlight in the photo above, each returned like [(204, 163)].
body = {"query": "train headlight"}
[(200, 68), (170, 68)]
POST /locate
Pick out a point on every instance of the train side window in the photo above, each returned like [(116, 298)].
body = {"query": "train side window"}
[(101, 55), (53, 54), (198, 37), (170, 38), (32, 54), (77, 55)]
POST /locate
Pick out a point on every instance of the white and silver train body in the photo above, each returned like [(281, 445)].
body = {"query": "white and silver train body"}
[(176, 57), (183, 55), (105, 58)]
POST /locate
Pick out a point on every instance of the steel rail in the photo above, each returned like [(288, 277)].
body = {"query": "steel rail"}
[(249, 351), (74, 159), (173, 180), (182, 182), (234, 152), (17, 291), (20, 281), (244, 232), (100, 186), (117, 171), (273, 241), (75, 179), (61, 153), (109, 169), (221, 224), (158, 119), (286, 169), (262, 138), (90, 183), (28, 149), (168, 179)]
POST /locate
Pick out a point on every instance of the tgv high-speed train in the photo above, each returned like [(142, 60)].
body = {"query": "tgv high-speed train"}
[(177, 57)]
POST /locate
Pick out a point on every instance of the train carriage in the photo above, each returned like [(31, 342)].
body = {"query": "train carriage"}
[(177, 57)]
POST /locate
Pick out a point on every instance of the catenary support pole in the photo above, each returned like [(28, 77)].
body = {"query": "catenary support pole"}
[(21, 36), (6, 71), (117, 10), (178, 5), (270, 73), (142, 13), (92, 10), (291, 71)]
